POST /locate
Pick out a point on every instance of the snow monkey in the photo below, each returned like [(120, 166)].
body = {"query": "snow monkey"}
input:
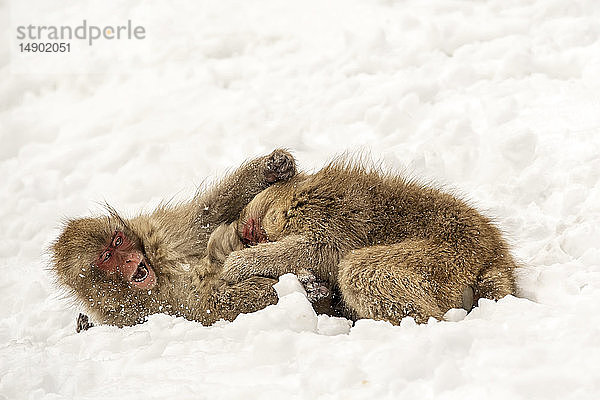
[(122, 270), (387, 246)]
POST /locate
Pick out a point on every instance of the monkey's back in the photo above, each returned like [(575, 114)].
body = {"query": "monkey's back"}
[(350, 208)]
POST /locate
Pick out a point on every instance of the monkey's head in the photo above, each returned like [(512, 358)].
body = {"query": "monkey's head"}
[(103, 262), (264, 219), (104, 246)]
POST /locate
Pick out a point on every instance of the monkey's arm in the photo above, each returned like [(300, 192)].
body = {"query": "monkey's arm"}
[(250, 295), (290, 254), (225, 201), (221, 243), (256, 292)]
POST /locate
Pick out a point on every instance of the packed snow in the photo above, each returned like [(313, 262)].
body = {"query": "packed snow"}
[(497, 101)]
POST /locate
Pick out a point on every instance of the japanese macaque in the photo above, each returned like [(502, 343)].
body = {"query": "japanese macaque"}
[(122, 270), (388, 247)]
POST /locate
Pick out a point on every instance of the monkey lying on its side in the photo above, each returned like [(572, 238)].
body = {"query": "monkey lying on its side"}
[(122, 270), (390, 247)]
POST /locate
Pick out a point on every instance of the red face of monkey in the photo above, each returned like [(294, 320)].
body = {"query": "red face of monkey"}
[(122, 256)]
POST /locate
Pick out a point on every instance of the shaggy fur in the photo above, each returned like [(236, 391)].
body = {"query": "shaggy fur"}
[(390, 247), (178, 243)]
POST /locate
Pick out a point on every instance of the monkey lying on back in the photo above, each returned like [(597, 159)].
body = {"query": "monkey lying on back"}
[(122, 270), (390, 247)]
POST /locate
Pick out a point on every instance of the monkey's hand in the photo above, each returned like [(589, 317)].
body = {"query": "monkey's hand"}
[(83, 323), (225, 200), (315, 288), (279, 166)]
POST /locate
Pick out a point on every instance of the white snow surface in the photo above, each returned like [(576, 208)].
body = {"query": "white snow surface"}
[(498, 101)]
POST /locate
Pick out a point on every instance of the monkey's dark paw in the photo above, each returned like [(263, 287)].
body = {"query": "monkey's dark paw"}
[(279, 166), (83, 323), (467, 298), (315, 289)]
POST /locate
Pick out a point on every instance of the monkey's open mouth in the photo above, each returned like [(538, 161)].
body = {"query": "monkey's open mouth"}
[(141, 273)]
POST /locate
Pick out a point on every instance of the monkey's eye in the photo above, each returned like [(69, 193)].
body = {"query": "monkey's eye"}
[(106, 256), (118, 241)]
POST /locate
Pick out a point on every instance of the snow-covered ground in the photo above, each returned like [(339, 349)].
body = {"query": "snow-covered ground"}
[(497, 100)]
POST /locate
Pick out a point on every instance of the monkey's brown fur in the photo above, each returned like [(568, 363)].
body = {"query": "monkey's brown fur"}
[(177, 241), (391, 247)]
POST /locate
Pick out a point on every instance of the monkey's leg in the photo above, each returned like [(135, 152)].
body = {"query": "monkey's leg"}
[(225, 201), (496, 281), (414, 278)]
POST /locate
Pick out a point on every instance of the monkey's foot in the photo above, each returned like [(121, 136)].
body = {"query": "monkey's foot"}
[(279, 166), (315, 289), (83, 323)]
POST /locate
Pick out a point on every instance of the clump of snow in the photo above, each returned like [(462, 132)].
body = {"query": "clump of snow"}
[(455, 315), (496, 100), (295, 312)]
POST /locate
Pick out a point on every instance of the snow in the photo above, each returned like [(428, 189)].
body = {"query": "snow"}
[(496, 100)]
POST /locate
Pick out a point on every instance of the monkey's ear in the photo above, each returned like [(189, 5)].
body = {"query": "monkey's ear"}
[(119, 222), (76, 247), (78, 229)]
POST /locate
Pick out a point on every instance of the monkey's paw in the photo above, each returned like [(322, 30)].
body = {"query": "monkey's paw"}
[(279, 166), (83, 323), (315, 289)]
